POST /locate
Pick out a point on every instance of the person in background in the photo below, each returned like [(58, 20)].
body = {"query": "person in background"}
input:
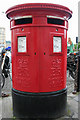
[(70, 45), (3, 54)]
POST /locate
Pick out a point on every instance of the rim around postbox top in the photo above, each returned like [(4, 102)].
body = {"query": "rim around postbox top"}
[(19, 10)]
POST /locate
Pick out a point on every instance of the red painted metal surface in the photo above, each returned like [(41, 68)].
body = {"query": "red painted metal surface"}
[(39, 69)]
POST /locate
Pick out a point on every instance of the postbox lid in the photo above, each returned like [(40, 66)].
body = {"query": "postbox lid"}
[(45, 8)]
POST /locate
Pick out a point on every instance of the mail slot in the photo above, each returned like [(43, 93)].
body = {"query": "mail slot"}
[(39, 59)]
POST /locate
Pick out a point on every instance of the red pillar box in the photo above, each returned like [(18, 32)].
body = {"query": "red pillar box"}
[(39, 52)]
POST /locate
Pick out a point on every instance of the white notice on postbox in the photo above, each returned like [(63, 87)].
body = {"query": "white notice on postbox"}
[(56, 44), (22, 44)]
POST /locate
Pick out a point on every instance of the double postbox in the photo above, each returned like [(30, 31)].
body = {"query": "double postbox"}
[(39, 59)]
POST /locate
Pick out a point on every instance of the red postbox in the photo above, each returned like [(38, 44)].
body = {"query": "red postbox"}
[(39, 52)]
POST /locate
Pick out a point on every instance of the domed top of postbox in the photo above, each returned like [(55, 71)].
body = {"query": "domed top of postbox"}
[(38, 9)]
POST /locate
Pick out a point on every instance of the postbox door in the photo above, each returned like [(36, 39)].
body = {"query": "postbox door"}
[(52, 60), (25, 57)]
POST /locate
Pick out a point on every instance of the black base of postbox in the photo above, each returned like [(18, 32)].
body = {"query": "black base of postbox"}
[(39, 105)]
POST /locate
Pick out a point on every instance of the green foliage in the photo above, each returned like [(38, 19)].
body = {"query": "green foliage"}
[(78, 45), (75, 46)]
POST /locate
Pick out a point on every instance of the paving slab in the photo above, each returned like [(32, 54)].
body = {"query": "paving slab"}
[(7, 110), (73, 105), (72, 95), (0, 108), (79, 97), (75, 115), (76, 99)]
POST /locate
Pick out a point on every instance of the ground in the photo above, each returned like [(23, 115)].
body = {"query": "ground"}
[(73, 101)]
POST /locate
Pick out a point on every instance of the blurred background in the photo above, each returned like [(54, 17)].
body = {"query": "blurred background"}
[(5, 34)]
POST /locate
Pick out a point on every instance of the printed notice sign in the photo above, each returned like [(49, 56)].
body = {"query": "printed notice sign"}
[(22, 44), (56, 44)]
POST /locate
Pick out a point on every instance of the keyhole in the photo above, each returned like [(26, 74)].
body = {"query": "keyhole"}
[(35, 53), (44, 53), (22, 29), (56, 29)]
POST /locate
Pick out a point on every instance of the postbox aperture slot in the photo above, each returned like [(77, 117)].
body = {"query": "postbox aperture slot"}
[(22, 47), (23, 21), (57, 47), (55, 21)]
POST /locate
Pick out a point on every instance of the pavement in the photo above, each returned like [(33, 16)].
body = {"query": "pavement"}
[(73, 102)]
